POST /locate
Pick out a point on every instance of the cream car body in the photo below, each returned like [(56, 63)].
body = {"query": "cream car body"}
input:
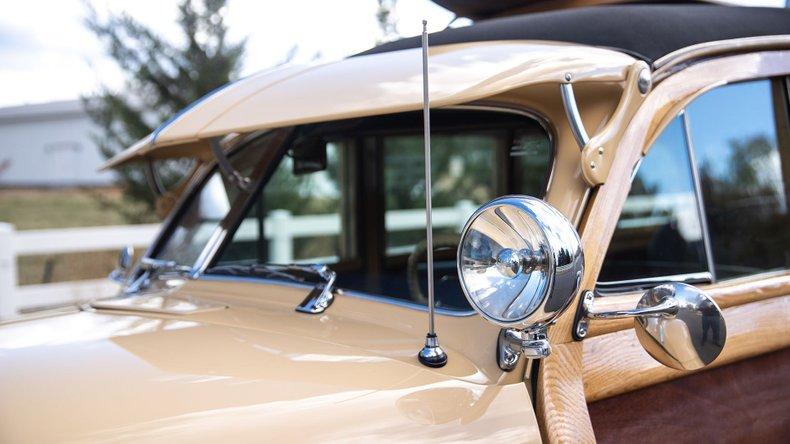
[(225, 358)]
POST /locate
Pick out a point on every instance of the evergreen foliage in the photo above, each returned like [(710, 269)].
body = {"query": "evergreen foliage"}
[(162, 78)]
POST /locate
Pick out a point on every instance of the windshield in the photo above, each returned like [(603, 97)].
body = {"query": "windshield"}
[(202, 214), (351, 195)]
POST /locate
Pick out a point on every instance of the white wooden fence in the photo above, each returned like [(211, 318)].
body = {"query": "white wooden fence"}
[(14, 243), (281, 229)]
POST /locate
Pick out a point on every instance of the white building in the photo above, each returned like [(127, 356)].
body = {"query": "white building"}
[(49, 145)]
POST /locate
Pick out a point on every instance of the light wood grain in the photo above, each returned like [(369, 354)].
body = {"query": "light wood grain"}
[(616, 363), (561, 406), (660, 106), (727, 294)]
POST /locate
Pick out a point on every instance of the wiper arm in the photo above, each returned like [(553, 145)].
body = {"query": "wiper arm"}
[(319, 298)]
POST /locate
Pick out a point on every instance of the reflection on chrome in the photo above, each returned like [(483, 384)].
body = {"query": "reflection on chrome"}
[(519, 261), (520, 264), (677, 324)]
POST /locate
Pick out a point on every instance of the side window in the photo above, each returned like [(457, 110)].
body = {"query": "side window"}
[(737, 138), (463, 177), (465, 174), (740, 137), (659, 232)]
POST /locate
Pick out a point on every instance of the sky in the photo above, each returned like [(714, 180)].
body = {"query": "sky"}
[(46, 54)]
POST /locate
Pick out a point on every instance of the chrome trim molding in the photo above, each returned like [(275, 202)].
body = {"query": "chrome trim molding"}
[(609, 287), (682, 58), (703, 220)]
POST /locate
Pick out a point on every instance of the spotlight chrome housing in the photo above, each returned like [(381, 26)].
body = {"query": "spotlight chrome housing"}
[(520, 263)]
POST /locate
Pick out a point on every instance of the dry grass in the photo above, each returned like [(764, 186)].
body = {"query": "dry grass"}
[(61, 208)]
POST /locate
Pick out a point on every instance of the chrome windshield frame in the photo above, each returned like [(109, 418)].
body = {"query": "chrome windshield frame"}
[(196, 182)]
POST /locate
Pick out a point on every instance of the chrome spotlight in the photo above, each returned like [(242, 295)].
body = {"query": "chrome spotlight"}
[(520, 264)]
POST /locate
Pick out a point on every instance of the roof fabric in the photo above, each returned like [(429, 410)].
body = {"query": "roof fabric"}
[(647, 32)]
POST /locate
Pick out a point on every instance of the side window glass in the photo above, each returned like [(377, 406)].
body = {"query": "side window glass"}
[(740, 137), (659, 232), (531, 152), (463, 177)]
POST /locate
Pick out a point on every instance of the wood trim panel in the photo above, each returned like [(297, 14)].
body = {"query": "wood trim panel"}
[(669, 97), (615, 363), (560, 407), (727, 294), (743, 402)]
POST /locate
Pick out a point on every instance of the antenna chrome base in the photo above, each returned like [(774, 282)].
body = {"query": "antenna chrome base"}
[(432, 355), (512, 343)]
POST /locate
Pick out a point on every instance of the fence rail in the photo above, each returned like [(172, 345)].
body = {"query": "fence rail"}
[(15, 299), (281, 229)]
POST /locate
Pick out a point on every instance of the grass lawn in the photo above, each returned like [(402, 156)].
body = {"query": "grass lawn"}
[(54, 208), (62, 208)]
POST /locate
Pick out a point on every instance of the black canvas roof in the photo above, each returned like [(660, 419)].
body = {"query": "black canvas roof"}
[(644, 31)]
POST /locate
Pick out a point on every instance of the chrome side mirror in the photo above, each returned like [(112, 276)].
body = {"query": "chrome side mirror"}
[(125, 258), (520, 264), (677, 324)]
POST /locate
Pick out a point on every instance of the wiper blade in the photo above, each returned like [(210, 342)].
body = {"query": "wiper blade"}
[(319, 298), (293, 272)]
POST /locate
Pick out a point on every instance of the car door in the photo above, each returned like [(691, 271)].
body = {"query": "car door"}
[(709, 205)]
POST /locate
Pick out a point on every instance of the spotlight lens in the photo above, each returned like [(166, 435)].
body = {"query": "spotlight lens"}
[(508, 258)]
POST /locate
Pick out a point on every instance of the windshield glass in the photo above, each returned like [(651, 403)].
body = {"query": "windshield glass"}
[(351, 195)]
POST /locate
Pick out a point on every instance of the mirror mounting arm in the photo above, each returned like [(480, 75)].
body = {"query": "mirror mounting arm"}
[(677, 324), (587, 311), (668, 308)]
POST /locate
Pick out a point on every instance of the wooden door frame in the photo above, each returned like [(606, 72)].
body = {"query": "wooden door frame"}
[(573, 370)]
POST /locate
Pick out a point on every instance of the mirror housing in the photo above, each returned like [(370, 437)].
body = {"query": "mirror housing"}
[(520, 263), (677, 324), (125, 259)]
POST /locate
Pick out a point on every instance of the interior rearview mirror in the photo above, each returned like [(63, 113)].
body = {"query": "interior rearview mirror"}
[(309, 155)]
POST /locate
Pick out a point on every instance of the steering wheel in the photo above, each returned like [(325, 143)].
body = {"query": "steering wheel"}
[(440, 242)]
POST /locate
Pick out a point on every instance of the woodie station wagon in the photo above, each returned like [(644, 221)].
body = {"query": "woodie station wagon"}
[(610, 246)]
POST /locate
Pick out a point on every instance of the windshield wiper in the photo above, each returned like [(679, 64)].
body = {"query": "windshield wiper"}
[(319, 298)]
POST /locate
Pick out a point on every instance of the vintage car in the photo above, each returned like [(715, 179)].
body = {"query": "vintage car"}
[(285, 297)]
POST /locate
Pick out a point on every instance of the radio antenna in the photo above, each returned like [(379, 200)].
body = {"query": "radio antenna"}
[(431, 354)]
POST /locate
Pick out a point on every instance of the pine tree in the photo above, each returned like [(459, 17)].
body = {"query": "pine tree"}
[(162, 78), (388, 23)]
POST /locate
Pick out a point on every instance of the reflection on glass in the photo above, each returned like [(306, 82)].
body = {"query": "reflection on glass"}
[(740, 136), (297, 218), (463, 177), (659, 232), (361, 208)]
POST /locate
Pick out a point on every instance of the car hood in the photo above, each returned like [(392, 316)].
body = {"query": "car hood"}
[(99, 376)]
